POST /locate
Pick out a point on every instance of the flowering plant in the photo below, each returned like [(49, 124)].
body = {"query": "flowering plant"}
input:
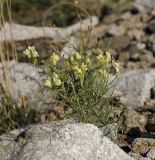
[(81, 83)]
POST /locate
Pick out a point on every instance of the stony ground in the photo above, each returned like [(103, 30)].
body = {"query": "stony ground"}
[(130, 27)]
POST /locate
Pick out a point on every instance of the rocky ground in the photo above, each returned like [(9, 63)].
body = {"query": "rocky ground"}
[(130, 27)]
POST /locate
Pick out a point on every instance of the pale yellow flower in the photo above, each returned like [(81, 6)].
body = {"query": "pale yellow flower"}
[(108, 57), (101, 59), (75, 67), (78, 56), (48, 82), (100, 74), (31, 52), (56, 79), (72, 58), (54, 59), (84, 68), (88, 62)]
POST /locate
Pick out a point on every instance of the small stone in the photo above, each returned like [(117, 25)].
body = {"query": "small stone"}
[(135, 57), (119, 43), (110, 19), (124, 56), (126, 16), (52, 117), (141, 46), (147, 56), (136, 34), (116, 30)]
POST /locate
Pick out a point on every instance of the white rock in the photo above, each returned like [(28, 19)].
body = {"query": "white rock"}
[(21, 32), (61, 141)]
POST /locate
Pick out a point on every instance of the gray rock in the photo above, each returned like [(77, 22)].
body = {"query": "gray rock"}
[(60, 141), (135, 87), (151, 153), (25, 80), (22, 32), (144, 5)]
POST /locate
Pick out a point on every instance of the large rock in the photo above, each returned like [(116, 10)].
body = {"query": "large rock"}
[(60, 141), (21, 32), (25, 80), (135, 87)]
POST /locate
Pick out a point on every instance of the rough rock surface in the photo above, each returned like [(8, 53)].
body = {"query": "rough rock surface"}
[(60, 141), (135, 86), (24, 80)]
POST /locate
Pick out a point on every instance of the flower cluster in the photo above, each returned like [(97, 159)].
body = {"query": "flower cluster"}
[(80, 65), (32, 54)]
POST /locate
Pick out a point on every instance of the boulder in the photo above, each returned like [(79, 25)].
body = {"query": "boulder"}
[(64, 140)]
